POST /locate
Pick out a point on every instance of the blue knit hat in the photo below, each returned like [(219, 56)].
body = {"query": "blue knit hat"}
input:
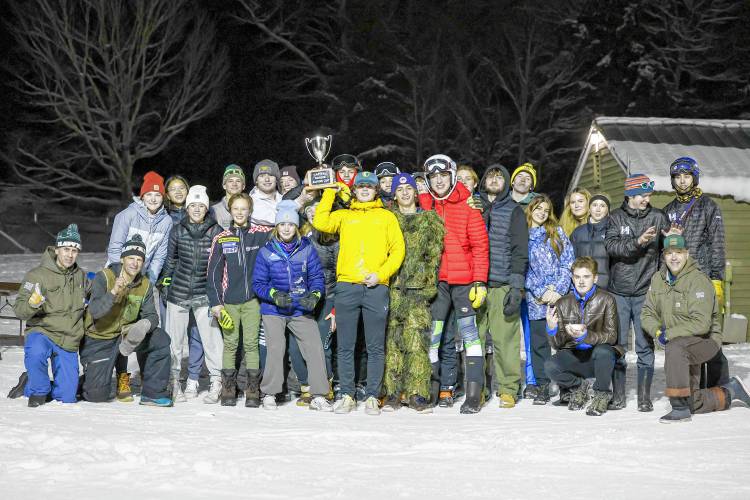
[(366, 178), (402, 179), (286, 211)]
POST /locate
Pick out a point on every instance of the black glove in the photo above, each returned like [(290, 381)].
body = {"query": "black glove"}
[(512, 302), (309, 300), (282, 300)]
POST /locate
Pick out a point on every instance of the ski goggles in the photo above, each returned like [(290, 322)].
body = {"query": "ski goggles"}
[(684, 164), (386, 169), (346, 160), (438, 163)]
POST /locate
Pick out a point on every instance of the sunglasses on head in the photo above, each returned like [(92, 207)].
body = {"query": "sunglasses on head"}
[(647, 185)]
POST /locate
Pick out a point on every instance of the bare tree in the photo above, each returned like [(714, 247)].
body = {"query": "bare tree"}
[(110, 82)]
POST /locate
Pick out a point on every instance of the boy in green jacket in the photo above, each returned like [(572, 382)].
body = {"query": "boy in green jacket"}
[(682, 314), (51, 301)]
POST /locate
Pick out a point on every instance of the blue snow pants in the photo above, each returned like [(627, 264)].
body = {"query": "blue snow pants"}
[(37, 353)]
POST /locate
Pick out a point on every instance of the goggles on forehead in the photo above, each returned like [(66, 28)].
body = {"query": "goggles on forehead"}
[(345, 160), (386, 169), (437, 165)]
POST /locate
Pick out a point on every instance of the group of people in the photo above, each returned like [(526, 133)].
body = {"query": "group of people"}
[(389, 289)]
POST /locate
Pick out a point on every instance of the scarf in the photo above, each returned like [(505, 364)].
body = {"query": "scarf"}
[(694, 192)]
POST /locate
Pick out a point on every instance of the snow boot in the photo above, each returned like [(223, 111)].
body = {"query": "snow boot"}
[(229, 387), (530, 391), (391, 403), (680, 411), (252, 389), (445, 397), (542, 395), (599, 403), (737, 391), (35, 401), (419, 404), (269, 402), (619, 396), (214, 391), (435, 384), (564, 398), (473, 401), (507, 401), (124, 393), (580, 396), (17, 390), (191, 388), (645, 375)]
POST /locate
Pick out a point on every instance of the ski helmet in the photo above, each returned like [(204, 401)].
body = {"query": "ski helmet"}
[(440, 163), (685, 164)]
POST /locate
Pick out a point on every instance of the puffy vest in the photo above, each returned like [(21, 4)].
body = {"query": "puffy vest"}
[(122, 313)]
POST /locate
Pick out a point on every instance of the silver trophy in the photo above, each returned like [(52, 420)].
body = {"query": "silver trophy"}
[(321, 176)]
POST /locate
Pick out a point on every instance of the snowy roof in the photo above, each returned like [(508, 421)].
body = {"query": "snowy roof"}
[(649, 145)]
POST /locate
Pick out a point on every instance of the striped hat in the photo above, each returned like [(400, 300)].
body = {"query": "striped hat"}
[(638, 184)]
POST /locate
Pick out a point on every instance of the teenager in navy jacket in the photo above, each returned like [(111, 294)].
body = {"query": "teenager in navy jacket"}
[(288, 280)]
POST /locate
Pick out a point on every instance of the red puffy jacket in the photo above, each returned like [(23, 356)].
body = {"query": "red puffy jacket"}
[(466, 250)]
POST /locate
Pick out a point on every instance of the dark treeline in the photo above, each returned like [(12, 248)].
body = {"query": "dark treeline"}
[(483, 81)]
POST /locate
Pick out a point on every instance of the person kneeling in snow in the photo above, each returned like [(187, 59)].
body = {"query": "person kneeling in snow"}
[(582, 327), (51, 301), (121, 319), (681, 313), (288, 280)]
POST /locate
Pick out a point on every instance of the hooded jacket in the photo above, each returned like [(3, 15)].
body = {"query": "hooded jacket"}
[(508, 235), (60, 317), (589, 241), (370, 238), (546, 269), (631, 266), (297, 273), (685, 306), (187, 262), (703, 232), (465, 256), (264, 207), (106, 315), (231, 264), (154, 229)]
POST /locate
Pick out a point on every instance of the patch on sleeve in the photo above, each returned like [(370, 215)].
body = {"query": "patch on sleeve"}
[(28, 286), (700, 295)]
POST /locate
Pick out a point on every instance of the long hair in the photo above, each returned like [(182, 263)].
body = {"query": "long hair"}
[(275, 233), (568, 221), (550, 225), (167, 202)]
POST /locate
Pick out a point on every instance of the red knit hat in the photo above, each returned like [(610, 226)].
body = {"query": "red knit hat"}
[(152, 182)]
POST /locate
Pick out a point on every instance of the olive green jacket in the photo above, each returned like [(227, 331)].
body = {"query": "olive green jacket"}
[(60, 317), (685, 308)]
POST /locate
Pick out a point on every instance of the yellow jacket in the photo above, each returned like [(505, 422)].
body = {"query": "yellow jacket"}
[(370, 238)]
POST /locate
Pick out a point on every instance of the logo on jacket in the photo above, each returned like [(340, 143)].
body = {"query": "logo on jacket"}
[(700, 295), (624, 231)]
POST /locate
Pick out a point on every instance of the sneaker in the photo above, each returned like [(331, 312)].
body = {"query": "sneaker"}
[(177, 395), (35, 401), (391, 403), (564, 398), (124, 393), (507, 401), (191, 388), (345, 405), (372, 406), (320, 403), (305, 397), (163, 402), (419, 404), (529, 392), (214, 392), (579, 397), (542, 395), (18, 389), (599, 403), (269, 402)]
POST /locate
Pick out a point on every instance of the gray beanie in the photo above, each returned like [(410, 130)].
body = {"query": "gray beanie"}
[(266, 167)]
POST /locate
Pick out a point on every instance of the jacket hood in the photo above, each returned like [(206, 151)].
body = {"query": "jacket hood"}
[(49, 261), (145, 214), (634, 212), (368, 205), (506, 185), (459, 194)]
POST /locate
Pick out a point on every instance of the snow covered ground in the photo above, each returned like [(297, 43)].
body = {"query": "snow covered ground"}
[(203, 451)]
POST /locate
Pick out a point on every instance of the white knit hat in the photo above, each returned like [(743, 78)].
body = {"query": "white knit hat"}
[(197, 194)]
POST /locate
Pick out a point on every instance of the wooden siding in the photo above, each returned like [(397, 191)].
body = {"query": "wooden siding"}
[(736, 223)]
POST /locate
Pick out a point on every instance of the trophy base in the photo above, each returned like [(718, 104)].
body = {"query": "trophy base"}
[(320, 178)]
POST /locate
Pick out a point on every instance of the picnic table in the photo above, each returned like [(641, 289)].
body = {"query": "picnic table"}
[(6, 306)]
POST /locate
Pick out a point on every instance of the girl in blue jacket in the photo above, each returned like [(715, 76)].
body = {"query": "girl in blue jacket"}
[(547, 279), (288, 280)]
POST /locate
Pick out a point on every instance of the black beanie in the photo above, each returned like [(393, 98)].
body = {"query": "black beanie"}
[(599, 197), (134, 246)]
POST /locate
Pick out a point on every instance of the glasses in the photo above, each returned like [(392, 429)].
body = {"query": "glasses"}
[(177, 189)]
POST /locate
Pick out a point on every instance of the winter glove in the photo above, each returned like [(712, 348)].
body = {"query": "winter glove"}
[(719, 287), (36, 299), (475, 202), (133, 335), (512, 302), (661, 337), (165, 282), (309, 301), (281, 299), (225, 320), (477, 294)]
